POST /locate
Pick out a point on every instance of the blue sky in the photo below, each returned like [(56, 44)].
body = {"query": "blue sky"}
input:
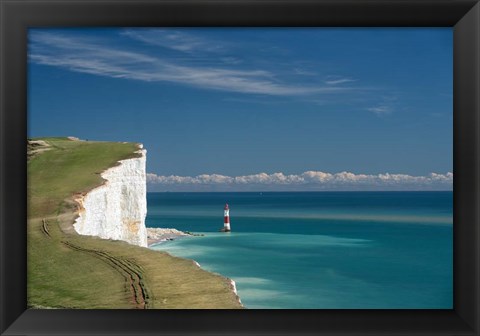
[(255, 108)]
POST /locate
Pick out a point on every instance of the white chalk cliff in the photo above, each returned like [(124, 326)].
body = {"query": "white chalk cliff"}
[(117, 209)]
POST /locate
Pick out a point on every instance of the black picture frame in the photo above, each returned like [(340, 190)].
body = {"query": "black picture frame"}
[(18, 15)]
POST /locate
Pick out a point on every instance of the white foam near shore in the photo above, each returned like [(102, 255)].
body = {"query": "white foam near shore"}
[(234, 289)]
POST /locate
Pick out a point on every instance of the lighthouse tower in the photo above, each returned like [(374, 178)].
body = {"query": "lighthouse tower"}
[(226, 219)]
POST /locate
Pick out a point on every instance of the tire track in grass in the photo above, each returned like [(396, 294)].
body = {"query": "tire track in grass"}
[(130, 270), (45, 228)]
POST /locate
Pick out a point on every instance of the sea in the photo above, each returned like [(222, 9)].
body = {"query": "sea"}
[(318, 250)]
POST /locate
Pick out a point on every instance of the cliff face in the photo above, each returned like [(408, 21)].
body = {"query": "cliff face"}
[(117, 209)]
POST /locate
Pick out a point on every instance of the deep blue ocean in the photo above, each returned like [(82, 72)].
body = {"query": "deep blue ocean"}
[(321, 250)]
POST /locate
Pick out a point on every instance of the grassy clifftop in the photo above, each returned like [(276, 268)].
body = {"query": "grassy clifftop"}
[(67, 270)]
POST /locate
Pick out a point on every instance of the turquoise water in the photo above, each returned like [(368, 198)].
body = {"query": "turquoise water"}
[(322, 250)]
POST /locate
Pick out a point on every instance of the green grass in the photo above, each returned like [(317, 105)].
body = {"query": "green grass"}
[(67, 270)]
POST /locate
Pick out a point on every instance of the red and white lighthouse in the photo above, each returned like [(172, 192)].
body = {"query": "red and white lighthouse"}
[(226, 219)]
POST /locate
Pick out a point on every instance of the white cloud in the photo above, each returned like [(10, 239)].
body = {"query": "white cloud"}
[(98, 58), (310, 180), (380, 110), (337, 81), (231, 60), (172, 39), (387, 105)]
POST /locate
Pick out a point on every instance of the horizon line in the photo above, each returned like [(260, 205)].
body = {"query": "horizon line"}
[(292, 191)]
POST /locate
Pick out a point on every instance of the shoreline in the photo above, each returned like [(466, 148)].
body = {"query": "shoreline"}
[(156, 236)]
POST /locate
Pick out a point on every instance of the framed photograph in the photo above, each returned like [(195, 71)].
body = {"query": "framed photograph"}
[(267, 167)]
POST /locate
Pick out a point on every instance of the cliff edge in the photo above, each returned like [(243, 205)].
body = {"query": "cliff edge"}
[(117, 209)]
